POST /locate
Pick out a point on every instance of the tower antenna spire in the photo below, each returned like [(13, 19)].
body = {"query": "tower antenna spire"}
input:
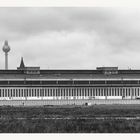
[(6, 49)]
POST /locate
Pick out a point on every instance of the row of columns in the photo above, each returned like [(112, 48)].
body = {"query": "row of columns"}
[(56, 92)]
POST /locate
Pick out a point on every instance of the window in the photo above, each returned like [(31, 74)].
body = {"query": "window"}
[(106, 91), (126, 92), (72, 92), (69, 92), (79, 92), (81, 82), (22, 93), (60, 92), (115, 92), (46, 92), (97, 82), (93, 92), (135, 92), (8, 92), (37, 92), (96, 94), (0, 92), (118, 92), (88, 91), (53, 92), (49, 82), (32, 92), (101, 92), (19, 92), (5, 92), (65, 82), (3, 82), (13, 92), (114, 82)]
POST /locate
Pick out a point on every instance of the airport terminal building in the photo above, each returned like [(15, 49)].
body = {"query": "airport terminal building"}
[(33, 86), (104, 83)]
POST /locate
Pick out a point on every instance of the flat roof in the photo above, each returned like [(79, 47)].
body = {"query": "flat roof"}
[(69, 75)]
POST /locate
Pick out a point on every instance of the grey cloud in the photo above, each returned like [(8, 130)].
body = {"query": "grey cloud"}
[(71, 37)]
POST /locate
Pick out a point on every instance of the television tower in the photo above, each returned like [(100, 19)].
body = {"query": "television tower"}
[(6, 49)]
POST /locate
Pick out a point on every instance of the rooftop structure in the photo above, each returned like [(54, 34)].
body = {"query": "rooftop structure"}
[(28, 70)]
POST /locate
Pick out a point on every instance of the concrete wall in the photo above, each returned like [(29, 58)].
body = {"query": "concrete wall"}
[(65, 102)]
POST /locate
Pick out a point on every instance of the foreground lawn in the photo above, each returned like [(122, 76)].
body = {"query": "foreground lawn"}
[(33, 119)]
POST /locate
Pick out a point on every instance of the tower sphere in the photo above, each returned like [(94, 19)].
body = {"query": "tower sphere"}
[(6, 47)]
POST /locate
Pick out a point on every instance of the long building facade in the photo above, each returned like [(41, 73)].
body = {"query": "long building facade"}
[(103, 85)]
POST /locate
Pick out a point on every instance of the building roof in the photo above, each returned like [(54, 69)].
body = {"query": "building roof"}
[(69, 75), (35, 73)]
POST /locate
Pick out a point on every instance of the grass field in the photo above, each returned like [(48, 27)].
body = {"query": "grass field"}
[(70, 119)]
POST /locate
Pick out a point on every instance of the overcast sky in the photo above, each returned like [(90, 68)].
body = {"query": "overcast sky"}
[(71, 38)]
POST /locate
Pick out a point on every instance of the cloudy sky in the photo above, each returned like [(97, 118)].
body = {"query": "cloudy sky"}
[(71, 38)]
